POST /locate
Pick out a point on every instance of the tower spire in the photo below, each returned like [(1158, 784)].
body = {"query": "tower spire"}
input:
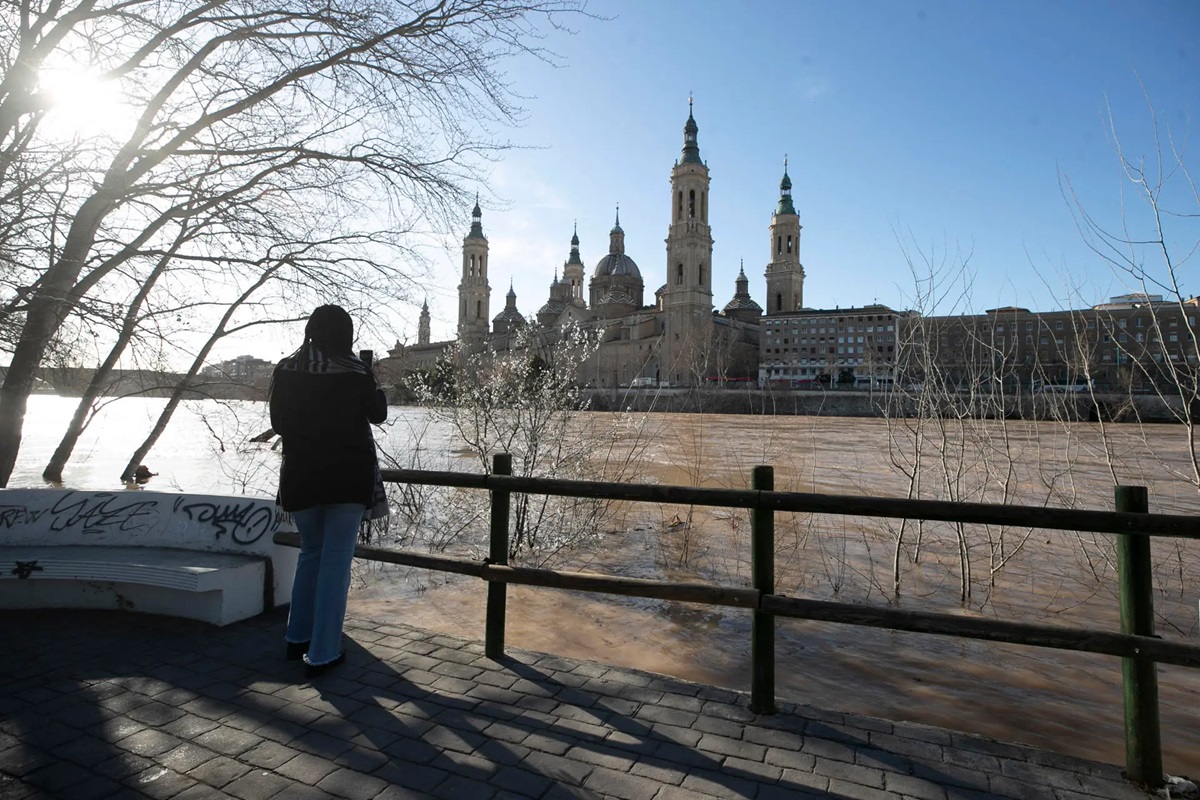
[(691, 149), (785, 193)]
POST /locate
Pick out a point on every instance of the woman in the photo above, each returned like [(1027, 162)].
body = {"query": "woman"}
[(323, 401)]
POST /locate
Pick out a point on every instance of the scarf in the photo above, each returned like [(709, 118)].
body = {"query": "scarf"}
[(311, 360)]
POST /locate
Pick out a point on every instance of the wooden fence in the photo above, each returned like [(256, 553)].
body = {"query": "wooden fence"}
[(1136, 644)]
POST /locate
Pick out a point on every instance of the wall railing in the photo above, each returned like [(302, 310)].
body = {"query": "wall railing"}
[(1136, 644)]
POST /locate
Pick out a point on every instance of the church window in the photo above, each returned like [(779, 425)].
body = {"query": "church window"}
[(778, 245), (701, 274), (679, 273), (679, 207), (691, 204), (478, 309), (779, 302), (704, 206), (789, 244), (472, 271)]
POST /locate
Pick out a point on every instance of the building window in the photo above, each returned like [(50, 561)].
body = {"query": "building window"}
[(1058, 325), (679, 273)]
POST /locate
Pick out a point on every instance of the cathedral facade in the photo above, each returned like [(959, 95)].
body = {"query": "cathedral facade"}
[(678, 337)]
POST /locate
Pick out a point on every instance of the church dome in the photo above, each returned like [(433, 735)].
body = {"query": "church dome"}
[(617, 264)]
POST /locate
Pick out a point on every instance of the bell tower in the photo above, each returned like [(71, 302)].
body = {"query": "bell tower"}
[(423, 324), (785, 275), (687, 299), (474, 293), (573, 270)]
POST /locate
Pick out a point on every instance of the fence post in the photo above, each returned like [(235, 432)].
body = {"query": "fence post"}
[(762, 571), (1143, 746), (493, 642)]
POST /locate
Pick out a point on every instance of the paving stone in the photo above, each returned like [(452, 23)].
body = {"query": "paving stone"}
[(122, 766), (202, 792), (85, 750), (257, 785), (186, 757), (268, 755), (149, 743), (218, 771), (351, 784), (754, 770), (155, 713), (917, 788), (460, 787), (624, 785), (412, 777), (189, 726), (856, 791), (228, 741), (160, 783), (672, 733), (307, 768), (57, 778)]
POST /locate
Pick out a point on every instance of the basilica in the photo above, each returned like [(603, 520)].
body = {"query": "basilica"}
[(678, 338)]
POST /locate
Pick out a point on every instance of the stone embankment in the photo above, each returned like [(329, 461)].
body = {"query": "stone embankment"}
[(852, 403)]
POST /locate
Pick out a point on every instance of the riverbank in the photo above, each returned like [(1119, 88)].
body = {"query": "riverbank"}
[(1082, 407)]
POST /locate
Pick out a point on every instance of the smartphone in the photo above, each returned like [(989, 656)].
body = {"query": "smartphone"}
[(366, 356)]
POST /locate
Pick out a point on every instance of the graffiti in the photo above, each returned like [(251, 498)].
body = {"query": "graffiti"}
[(243, 523), (137, 519), (24, 569), (12, 516), (101, 513)]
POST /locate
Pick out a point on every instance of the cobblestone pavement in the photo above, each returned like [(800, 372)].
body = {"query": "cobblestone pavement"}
[(97, 704)]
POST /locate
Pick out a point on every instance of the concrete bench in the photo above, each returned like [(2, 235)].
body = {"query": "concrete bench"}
[(203, 557), (219, 588)]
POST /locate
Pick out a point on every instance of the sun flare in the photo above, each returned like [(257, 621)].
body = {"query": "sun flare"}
[(83, 103)]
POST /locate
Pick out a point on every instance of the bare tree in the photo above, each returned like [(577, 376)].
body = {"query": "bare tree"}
[(357, 108)]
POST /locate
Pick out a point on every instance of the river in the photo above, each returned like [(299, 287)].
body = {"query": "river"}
[(1064, 701)]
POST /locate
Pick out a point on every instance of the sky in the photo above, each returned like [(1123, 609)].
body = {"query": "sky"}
[(934, 129)]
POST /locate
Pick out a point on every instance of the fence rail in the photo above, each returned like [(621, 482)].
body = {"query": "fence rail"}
[(1136, 644)]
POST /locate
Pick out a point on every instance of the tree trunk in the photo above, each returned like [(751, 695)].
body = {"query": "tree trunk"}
[(54, 469), (197, 363)]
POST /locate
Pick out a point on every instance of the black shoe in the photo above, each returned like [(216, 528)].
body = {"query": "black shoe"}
[(296, 650), (317, 670)]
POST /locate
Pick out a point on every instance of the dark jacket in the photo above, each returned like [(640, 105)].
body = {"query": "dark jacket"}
[(328, 450)]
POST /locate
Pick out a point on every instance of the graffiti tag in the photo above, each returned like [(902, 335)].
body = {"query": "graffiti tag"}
[(12, 516), (24, 569), (244, 523), (101, 513)]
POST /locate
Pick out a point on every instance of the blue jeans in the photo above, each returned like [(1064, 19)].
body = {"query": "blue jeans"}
[(327, 538)]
